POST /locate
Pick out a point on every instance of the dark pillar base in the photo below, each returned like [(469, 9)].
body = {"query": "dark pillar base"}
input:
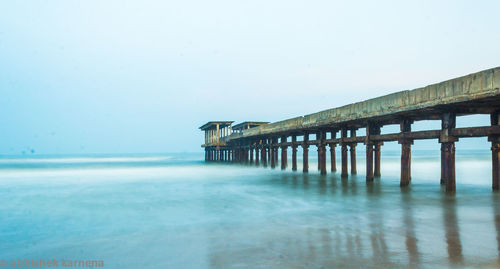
[(369, 162), (294, 158), (376, 172), (305, 159), (344, 160), (405, 162), (273, 159), (495, 159), (283, 158), (333, 163), (353, 159), (322, 159), (264, 157), (448, 168)]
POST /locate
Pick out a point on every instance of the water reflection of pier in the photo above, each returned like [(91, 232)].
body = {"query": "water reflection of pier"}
[(363, 237)]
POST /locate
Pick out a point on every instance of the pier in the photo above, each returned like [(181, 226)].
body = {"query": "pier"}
[(259, 143)]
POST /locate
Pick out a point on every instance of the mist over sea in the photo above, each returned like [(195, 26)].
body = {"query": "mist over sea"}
[(176, 211)]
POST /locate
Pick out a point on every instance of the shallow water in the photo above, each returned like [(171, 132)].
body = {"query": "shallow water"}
[(176, 211)]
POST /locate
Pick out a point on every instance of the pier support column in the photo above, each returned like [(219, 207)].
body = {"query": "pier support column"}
[(318, 138), (283, 157), (448, 122), (448, 166), (405, 127), (353, 158), (333, 162), (344, 160), (344, 153), (251, 154), (376, 171), (322, 159), (369, 162), (294, 153), (353, 153), (257, 153), (322, 153), (495, 152), (264, 156), (305, 153), (283, 153), (273, 154), (269, 151), (371, 129), (442, 181), (495, 158), (405, 161), (276, 160)]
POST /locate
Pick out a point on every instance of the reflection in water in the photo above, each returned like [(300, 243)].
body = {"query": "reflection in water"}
[(452, 232), (350, 223), (409, 225), (496, 220), (377, 229)]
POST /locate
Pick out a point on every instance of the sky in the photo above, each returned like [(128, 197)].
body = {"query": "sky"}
[(80, 77)]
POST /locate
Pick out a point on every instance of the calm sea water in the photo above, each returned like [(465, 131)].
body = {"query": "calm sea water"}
[(175, 211)]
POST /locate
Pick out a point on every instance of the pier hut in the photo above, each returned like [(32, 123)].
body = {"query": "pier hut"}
[(477, 93), (215, 145), (238, 128)]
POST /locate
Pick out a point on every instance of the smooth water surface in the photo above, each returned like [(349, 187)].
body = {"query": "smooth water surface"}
[(176, 211)]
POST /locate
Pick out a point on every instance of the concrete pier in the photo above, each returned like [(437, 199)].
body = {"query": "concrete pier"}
[(477, 93)]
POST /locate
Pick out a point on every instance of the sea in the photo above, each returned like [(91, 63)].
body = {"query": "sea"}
[(178, 211)]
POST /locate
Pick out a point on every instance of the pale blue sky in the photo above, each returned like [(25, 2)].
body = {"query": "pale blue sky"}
[(141, 76)]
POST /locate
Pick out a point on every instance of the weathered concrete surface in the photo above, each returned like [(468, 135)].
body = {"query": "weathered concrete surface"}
[(458, 92)]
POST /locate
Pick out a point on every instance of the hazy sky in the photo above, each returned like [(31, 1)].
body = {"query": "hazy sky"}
[(142, 76)]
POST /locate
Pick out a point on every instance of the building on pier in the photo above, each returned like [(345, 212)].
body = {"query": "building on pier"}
[(477, 93), (215, 138), (217, 133), (238, 128)]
